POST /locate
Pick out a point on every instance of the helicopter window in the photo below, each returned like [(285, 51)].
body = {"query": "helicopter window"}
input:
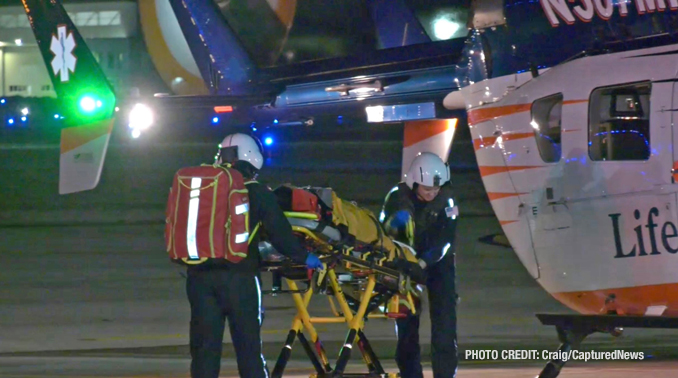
[(546, 115), (619, 122)]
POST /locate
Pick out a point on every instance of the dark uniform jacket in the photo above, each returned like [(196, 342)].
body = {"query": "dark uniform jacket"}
[(433, 223)]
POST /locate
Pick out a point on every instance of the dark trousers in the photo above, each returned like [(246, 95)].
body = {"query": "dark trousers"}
[(443, 309), (216, 295)]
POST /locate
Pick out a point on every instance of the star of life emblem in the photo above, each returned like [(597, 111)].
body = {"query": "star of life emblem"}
[(62, 48)]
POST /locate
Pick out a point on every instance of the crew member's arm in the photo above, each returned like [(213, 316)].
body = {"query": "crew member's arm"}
[(390, 207), (397, 216), (276, 224)]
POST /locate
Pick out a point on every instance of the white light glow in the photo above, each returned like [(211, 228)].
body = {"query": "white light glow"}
[(500, 142), (140, 117), (375, 113), (444, 28), (87, 104), (363, 90)]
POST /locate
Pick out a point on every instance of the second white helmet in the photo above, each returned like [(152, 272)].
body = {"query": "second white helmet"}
[(427, 169), (247, 149)]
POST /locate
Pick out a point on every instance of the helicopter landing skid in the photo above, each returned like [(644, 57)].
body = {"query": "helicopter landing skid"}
[(573, 329)]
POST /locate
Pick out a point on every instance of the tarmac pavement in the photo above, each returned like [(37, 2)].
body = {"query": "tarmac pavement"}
[(87, 289)]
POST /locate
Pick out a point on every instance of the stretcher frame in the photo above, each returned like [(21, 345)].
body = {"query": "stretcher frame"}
[(333, 257)]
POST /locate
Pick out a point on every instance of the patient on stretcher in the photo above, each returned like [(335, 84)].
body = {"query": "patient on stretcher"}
[(327, 224)]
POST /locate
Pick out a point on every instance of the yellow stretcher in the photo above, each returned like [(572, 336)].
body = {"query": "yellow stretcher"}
[(362, 280)]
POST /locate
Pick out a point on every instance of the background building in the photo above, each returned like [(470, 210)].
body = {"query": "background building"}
[(112, 31)]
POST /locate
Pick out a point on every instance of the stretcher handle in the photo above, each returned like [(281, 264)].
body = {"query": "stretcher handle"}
[(280, 291), (277, 284), (300, 291)]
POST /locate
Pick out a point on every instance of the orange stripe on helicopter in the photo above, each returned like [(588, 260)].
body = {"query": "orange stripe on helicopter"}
[(74, 137), (499, 195), (627, 300), (485, 114), (503, 223), (426, 129), (574, 102), (490, 140), (492, 170)]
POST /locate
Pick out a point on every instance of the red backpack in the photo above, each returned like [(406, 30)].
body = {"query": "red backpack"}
[(207, 215)]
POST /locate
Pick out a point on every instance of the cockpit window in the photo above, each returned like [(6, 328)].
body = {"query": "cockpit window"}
[(282, 32), (619, 122), (546, 118)]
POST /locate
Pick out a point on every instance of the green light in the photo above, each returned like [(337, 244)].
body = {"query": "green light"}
[(87, 104)]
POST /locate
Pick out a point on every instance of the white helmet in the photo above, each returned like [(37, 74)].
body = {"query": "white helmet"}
[(247, 149), (427, 169)]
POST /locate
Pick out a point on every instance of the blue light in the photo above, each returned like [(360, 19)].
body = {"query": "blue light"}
[(23, 119), (641, 135), (10, 121), (254, 129), (56, 116), (2, 101), (275, 121), (268, 141), (215, 119)]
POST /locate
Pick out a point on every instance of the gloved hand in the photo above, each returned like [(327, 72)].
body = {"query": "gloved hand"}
[(313, 262), (412, 269), (400, 219)]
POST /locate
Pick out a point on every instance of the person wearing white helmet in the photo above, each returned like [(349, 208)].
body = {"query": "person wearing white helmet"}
[(241, 148), (221, 291), (421, 212)]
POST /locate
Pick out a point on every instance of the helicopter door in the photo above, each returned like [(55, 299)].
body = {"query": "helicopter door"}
[(501, 190), (549, 214)]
